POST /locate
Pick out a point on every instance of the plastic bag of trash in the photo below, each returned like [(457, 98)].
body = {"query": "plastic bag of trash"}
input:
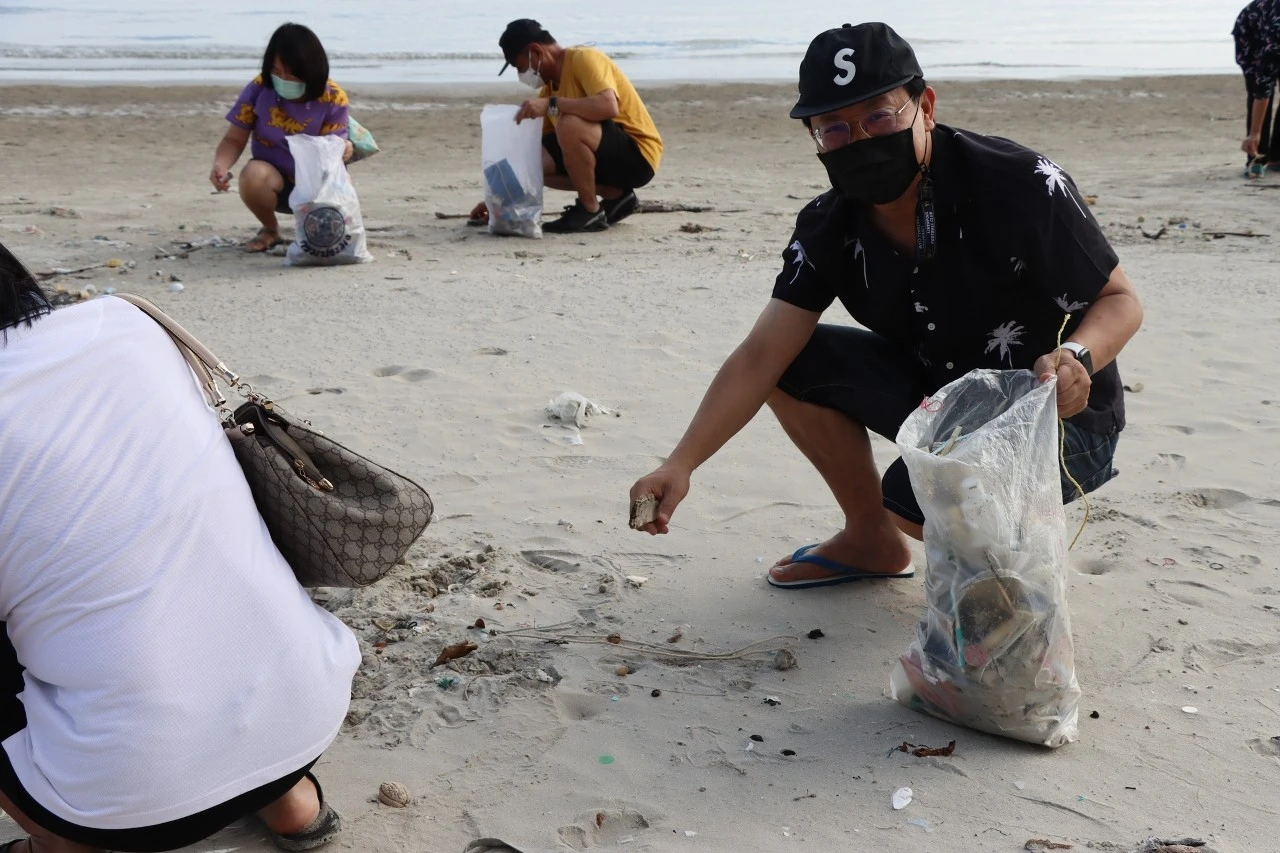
[(511, 157), (328, 227), (994, 650)]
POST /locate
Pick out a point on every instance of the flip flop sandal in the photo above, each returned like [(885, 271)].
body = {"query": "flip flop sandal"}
[(846, 573), (258, 238), (322, 830)]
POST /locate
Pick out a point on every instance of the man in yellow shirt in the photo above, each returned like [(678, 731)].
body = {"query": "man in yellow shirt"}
[(598, 138)]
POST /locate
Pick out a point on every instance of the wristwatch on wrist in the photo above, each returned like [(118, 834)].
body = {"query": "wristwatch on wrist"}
[(553, 109), (1081, 353)]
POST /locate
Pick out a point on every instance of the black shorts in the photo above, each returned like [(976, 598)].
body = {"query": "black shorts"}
[(172, 835), (619, 162), (282, 200), (878, 384)]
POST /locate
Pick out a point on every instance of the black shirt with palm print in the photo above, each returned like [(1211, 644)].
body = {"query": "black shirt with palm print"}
[(1017, 251)]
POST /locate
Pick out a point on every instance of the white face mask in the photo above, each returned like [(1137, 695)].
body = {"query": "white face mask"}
[(532, 78)]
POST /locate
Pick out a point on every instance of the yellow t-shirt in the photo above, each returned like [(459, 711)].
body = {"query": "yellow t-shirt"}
[(588, 72)]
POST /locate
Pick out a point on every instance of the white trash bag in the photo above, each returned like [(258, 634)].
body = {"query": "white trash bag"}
[(511, 157), (994, 650), (328, 228)]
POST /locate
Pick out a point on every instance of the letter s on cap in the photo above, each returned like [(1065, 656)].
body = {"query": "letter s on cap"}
[(844, 61)]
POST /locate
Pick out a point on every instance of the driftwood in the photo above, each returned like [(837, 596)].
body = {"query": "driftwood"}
[(1217, 234), (440, 214)]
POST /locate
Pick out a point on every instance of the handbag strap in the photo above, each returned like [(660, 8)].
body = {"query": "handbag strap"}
[(207, 366)]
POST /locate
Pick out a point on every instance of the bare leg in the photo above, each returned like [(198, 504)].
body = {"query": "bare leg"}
[(579, 140), (841, 451), (40, 839), (294, 811), (260, 188)]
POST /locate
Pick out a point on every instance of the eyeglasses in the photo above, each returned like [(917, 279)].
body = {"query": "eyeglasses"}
[(879, 123)]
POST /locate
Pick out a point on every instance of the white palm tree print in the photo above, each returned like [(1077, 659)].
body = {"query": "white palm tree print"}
[(859, 251), (1055, 180), (1069, 306), (1005, 336), (800, 259)]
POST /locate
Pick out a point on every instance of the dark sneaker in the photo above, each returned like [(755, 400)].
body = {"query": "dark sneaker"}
[(618, 209), (577, 218)]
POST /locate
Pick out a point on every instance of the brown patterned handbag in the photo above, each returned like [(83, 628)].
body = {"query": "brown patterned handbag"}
[(338, 519)]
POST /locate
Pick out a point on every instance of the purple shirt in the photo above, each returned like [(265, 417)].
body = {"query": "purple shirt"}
[(271, 118)]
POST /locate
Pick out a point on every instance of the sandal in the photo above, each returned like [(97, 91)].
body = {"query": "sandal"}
[(9, 845), (322, 830), (263, 241)]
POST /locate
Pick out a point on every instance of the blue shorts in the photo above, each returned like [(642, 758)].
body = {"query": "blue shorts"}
[(878, 384)]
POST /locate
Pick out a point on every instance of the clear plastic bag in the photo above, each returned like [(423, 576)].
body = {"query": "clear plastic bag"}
[(328, 228), (511, 157), (994, 651)]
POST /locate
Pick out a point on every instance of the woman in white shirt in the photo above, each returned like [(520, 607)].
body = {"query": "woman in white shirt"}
[(162, 673)]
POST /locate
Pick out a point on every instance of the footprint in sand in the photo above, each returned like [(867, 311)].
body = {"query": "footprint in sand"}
[(1267, 747), (1210, 498), (605, 828), (408, 374)]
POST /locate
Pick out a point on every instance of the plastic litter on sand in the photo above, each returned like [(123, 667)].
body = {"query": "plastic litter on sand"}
[(902, 798)]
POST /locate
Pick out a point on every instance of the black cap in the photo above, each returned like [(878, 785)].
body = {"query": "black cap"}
[(518, 35), (851, 64)]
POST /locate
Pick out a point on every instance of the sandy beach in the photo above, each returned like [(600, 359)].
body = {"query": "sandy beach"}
[(439, 360)]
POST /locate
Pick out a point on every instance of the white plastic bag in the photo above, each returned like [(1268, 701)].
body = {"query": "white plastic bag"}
[(994, 651), (328, 228), (511, 157)]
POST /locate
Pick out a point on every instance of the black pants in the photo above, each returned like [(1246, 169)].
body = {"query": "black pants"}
[(877, 385), (619, 162), (1270, 134)]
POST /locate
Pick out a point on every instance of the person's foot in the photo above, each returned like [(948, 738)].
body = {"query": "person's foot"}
[(885, 553), (301, 819), (265, 239), (576, 219), (618, 209)]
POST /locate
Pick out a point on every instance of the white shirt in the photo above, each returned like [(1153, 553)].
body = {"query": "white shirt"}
[(172, 660)]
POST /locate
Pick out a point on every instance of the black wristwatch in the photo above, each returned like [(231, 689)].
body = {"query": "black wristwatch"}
[(1082, 355), (553, 109)]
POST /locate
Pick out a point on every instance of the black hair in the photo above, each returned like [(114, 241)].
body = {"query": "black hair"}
[(915, 87), (300, 51), (22, 302)]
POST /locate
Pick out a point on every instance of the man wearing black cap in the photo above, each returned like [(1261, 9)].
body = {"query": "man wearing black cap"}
[(598, 138), (955, 251)]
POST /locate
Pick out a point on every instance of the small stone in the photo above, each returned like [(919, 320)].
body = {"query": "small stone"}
[(757, 738), (784, 660), (394, 794), (176, 287), (623, 669), (1094, 715), (655, 693), (816, 633)]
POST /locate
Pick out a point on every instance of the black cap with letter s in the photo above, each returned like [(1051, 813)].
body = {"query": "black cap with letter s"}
[(851, 64)]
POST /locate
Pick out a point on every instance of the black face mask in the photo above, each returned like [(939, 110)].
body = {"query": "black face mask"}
[(876, 170)]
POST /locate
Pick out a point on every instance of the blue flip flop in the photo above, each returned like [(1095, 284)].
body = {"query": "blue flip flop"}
[(846, 573)]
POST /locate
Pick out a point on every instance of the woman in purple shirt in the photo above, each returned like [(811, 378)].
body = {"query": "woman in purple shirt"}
[(293, 94)]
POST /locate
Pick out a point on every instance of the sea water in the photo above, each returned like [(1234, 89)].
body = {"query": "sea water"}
[(434, 42)]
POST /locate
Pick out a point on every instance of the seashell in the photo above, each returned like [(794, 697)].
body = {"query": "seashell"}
[(394, 794)]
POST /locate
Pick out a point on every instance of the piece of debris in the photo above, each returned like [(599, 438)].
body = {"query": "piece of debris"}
[(655, 693), (757, 738), (1093, 715), (479, 624), (651, 206), (1157, 235), (772, 701), (697, 228), (636, 581), (816, 633), (676, 637), (784, 660), (1044, 844), (457, 650), (902, 798), (63, 212), (922, 751), (622, 669), (1136, 388), (614, 638), (644, 511), (394, 794)]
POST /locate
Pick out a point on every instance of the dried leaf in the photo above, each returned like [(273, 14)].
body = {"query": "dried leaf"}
[(922, 751), (457, 650)]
